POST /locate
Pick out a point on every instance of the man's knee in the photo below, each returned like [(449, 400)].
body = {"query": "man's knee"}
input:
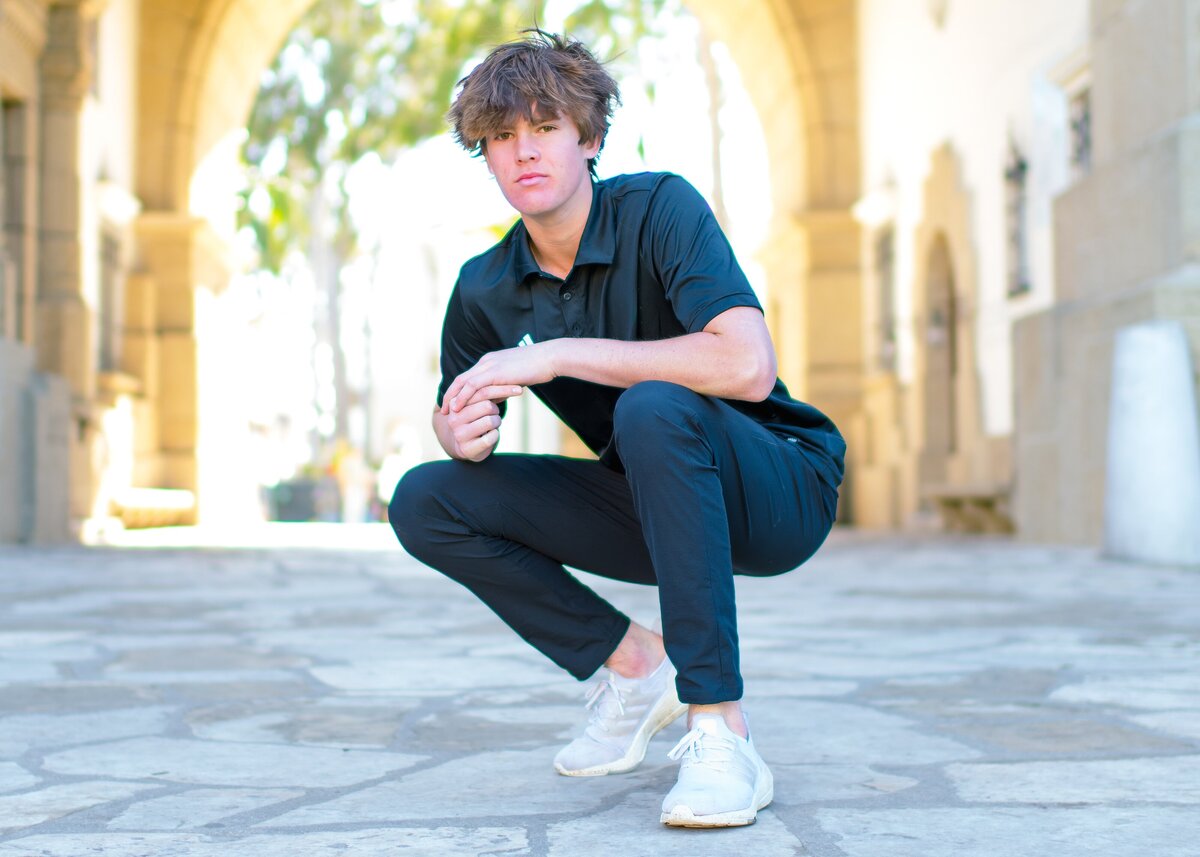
[(415, 504), (649, 405)]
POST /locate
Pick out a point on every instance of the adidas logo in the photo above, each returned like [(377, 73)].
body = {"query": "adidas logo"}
[(525, 340)]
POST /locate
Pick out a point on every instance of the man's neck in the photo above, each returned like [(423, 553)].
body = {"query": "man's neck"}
[(554, 239)]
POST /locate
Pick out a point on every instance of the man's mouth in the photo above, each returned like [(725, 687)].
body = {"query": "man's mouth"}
[(529, 178)]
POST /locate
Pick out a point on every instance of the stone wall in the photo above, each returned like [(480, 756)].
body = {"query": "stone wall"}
[(1127, 251), (35, 419)]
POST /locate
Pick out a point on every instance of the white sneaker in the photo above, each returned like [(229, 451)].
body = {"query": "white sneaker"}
[(723, 782), (625, 713)]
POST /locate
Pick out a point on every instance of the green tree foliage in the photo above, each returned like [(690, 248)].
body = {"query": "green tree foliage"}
[(375, 76)]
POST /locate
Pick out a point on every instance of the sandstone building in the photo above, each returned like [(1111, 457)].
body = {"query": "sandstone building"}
[(970, 200)]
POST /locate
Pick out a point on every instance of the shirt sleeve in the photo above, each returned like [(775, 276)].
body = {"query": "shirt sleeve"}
[(462, 344), (699, 272)]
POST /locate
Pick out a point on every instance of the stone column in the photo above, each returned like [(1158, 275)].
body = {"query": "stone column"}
[(1127, 250), (816, 307), (783, 259), (19, 166), (833, 310), (8, 286), (828, 315), (178, 255), (64, 318)]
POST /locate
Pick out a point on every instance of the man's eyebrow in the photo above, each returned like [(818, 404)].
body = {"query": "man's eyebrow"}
[(506, 123)]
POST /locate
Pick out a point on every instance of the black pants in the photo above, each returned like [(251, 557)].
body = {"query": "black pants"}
[(707, 493)]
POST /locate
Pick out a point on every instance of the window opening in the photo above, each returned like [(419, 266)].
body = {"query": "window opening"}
[(885, 274), (1016, 192)]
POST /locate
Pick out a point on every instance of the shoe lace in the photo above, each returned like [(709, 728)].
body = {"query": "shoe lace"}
[(701, 748), (605, 702)]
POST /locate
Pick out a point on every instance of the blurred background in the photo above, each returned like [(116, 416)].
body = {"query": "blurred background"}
[(230, 228)]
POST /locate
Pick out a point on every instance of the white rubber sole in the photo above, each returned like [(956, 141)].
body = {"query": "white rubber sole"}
[(665, 712), (682, 816)]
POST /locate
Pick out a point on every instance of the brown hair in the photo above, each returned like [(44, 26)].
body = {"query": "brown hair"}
[(538, 77)]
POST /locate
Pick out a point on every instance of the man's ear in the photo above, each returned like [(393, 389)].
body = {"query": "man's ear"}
[(592, 148)]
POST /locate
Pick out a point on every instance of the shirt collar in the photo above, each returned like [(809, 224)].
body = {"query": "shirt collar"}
[(597, 246)]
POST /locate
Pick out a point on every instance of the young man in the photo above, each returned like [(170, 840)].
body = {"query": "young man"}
[(620, 305)]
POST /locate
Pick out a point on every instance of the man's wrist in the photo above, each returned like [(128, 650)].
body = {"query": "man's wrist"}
[(558, 356)]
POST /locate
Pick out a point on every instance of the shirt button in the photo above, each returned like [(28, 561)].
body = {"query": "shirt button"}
[(576, 329), (566, 296)]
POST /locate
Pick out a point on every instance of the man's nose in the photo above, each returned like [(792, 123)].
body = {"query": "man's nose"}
[(527, 149)]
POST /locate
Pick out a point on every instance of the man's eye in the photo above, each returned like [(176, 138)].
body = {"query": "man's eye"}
[(548, 127), (502, 135)]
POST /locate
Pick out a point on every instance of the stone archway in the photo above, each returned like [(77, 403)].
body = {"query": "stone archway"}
[(200, 66)]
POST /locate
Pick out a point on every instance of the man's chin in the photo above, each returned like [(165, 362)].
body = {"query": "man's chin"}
[(531, 210)]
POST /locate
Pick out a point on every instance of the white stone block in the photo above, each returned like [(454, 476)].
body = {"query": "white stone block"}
[(16, 370), (8, 295), (1152, 495), (51, 422)]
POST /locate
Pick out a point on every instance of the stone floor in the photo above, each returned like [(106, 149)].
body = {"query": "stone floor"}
[(915, 698)]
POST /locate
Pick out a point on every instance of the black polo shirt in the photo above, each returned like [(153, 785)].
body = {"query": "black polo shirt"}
[(652, 264)]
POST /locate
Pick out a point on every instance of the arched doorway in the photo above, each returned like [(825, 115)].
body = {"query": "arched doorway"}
[(958, 471), (798, 58)]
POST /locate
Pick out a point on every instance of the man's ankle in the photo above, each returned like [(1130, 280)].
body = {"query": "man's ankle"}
[(636, 666), (639, 654), (730, 712)]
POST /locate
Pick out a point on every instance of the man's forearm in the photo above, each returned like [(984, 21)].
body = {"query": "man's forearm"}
[(699, 361), (732, 358)]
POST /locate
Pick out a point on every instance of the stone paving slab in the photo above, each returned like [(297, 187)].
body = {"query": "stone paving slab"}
[(325, 694)]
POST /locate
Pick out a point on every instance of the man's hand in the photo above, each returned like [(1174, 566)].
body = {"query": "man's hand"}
[(499, 375), (472, 432)]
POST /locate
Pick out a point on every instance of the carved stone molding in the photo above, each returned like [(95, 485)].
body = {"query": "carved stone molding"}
[(67, 62), (25, 20)]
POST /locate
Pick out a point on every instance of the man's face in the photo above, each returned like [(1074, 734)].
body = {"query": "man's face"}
[(541, 167)]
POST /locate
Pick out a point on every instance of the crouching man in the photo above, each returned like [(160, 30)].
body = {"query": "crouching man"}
[(619, 304)]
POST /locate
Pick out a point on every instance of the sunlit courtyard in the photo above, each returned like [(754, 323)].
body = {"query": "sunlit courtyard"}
[(324, 692)]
